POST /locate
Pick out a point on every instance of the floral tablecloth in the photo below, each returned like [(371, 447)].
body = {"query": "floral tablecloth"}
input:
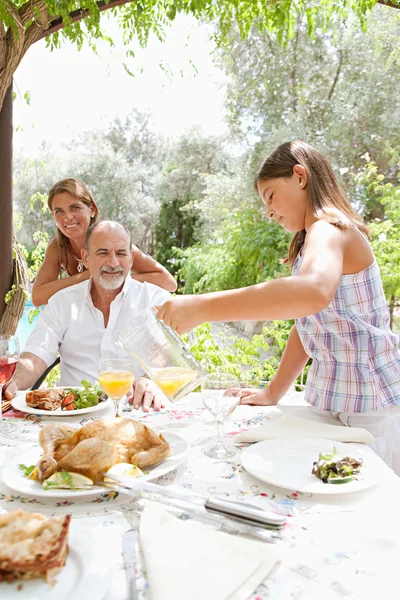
[(334, 547)]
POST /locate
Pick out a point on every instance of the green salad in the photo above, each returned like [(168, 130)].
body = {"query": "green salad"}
[(78, 398), (331, 469)]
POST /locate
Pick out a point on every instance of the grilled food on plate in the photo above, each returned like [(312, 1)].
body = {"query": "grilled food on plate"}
[(45, 399), (66, 398), (96, 447), (32, 545)]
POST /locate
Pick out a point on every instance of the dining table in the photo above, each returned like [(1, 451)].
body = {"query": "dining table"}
[(335, 546)]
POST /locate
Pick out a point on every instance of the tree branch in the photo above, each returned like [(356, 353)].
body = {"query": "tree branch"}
[(80, 14), (391, 4), (339, 67), (293, 72)]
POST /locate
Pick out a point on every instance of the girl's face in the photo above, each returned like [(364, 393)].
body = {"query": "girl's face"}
[(286, 201), (72, 216)]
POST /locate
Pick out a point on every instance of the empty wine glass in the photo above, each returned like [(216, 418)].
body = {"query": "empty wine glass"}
[(116, 377), (9, 356), (220, 394)]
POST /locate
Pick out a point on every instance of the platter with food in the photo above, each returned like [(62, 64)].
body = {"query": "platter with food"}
[(41, 558), (311, 465), (62, 401), (74, 461)]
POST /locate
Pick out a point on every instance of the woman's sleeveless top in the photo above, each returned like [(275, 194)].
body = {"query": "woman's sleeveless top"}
[(63, 271), (356, 360)]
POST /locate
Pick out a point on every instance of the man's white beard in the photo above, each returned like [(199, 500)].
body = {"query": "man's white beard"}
[(112, 284)]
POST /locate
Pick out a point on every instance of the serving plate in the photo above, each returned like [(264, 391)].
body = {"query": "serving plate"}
[(82, 577), (14, 478), (287, 463), (19, 403)]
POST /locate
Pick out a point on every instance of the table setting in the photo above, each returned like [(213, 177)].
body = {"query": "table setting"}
[(233, 510)]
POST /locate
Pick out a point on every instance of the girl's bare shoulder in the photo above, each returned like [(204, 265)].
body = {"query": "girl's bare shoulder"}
[(322, 232)]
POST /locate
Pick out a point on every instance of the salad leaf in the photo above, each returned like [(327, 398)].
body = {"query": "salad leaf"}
[(88, 396), (27, 470), (331, 469)]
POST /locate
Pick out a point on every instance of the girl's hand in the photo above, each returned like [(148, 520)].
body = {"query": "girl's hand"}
[(258, 397), (181, 313)]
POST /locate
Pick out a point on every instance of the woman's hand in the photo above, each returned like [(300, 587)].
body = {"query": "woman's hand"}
[(258, 397), (181, 313)]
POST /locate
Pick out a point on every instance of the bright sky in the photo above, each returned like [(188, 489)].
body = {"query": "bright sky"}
[(72, 91)]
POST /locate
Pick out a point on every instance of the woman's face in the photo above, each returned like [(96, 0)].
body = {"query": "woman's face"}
[(286, 201), (72, 216)]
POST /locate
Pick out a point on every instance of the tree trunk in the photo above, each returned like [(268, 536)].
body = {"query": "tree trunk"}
[(6, 222)]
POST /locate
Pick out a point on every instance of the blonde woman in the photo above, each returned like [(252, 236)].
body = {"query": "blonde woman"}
[(74, 210)]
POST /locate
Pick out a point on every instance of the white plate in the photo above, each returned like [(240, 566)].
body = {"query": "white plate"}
[(287, 463), (18, 402), (14, 478), (81, 578)]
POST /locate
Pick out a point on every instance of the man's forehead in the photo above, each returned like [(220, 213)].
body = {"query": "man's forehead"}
[(110, 238)]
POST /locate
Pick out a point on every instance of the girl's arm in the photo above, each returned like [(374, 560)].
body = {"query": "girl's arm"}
[(145, 268), (293, 361), (292, 297), (46, 283)]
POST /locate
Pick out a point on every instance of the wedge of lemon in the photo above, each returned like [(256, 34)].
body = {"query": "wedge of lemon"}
[(67, 481), (123, 471), (34, 474)]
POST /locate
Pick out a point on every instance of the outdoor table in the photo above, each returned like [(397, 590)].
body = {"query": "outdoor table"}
[(337, 546)]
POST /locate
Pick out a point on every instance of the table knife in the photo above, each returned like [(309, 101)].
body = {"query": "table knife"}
[(234, 510), (129, 554)]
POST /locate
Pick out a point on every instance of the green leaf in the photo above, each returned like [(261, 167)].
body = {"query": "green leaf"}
[(27, 470)]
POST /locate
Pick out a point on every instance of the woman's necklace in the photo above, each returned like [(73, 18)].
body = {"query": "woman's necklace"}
[(78, 260)]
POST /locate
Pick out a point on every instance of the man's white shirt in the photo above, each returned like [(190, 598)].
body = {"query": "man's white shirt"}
[(72, 326)]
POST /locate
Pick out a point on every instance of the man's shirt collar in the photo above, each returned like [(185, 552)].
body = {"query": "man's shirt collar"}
[(124, 291)]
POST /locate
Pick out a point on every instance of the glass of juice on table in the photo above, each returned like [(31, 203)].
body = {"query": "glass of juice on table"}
[(116, 377), (161, 354), (9, 356)]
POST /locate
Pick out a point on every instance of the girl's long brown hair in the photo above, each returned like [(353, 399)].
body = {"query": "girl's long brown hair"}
[(76, 188), (327, 199)]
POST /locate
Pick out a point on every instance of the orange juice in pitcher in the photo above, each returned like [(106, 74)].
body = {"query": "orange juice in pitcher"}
[(160, 352), (172, 380)]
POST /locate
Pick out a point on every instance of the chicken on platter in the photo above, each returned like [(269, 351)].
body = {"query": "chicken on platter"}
[(97, 446)]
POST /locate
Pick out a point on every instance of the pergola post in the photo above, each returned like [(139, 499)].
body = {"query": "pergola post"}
[(6, 202)]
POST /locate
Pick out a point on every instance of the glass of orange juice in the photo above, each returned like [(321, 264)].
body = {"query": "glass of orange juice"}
[(116, 377)]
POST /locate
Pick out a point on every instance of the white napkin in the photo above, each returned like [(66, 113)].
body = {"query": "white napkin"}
[(288, 426), (190, 560)]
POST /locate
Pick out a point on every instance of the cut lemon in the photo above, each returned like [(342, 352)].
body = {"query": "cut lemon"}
[(67, 481), (123, 471), (34, 474)]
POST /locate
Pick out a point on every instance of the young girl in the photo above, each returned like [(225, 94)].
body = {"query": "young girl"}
[(74, 210), (335, 295)]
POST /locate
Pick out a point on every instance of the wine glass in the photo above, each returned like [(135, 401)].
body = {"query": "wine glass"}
[(9, 356), (116, 377), (220, 394)]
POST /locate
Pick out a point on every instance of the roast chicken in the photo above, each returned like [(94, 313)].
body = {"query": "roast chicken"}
[(97, 446)]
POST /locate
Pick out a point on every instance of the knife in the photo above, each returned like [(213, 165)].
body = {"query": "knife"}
[(129, 554), (234, 510)]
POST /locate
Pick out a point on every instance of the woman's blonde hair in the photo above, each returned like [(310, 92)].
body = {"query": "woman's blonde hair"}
[(328, 200), (76, 188)]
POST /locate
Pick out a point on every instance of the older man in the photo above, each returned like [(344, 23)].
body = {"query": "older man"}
[(81, 322)]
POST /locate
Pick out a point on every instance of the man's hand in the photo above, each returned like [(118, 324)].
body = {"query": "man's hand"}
[(145, 394), (10, 390)]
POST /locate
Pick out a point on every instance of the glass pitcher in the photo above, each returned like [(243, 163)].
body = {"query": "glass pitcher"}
[(162, 354)]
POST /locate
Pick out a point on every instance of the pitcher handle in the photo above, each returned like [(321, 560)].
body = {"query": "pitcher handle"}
[(173, 333)]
